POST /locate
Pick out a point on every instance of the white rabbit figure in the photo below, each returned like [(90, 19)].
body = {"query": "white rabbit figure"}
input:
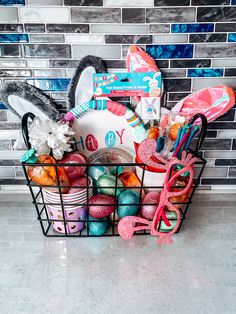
[(154, 90)]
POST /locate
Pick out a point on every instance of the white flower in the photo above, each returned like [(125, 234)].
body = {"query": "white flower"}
[(50, 136)]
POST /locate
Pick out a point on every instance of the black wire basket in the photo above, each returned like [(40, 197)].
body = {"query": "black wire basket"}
[(71, 218)]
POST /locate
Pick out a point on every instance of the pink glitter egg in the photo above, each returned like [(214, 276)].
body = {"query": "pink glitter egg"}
[(148, 211), (81, 183), (73, 172), (97, 210)]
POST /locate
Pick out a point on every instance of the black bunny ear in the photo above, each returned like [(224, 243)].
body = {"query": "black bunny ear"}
[(81, 85), (21, 97)]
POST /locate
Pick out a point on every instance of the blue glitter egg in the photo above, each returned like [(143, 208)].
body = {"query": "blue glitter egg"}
[(130, 199), (98, 226)]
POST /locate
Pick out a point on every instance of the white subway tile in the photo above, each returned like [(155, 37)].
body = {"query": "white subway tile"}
[(49, 73), (8, 15), (103, 51), (84, 39), (227, 134), (13, 154), (7, 172), (40, 14), (220, 154), (44, 2), (224, 63), (128, 3), (70, 72), (119, 29), (36, 63), (45, 38), (199, 83), (10, 134), (9, 63), (170, 38)]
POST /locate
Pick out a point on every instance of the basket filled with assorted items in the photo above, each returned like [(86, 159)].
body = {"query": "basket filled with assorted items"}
[(106, 168)]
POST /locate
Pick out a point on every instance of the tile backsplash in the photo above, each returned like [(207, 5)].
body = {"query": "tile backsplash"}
[(192, 41)]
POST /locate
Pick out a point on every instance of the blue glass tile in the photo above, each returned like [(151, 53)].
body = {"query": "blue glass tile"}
[(50, 84), (205, 72), (233, 2), (2, 106), (14, 38), (192, 28), (232, 37), (170, 51), (12, 2)]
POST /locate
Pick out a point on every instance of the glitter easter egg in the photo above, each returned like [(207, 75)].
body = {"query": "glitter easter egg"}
[(106, 184), (101, 205), (128, 203), (73, 172), (148, 211), (172, 217), (96, 171), (97, 227)]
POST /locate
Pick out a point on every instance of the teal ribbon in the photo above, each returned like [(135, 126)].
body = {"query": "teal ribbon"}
[(29, 157)]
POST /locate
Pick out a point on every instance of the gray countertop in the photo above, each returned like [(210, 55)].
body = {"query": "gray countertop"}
[(196, 274)]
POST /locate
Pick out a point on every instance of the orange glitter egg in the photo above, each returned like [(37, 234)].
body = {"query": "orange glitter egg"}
[(46, 175)]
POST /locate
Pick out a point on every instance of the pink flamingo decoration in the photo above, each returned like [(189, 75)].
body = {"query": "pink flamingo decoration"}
[(127, 225)]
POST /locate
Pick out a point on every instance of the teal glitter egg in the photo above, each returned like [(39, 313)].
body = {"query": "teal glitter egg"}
[(96, 171), (98, 226), (128, 203), (106, 184)]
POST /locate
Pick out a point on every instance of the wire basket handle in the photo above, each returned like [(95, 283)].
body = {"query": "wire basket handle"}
[(24, 127), (203, 131)]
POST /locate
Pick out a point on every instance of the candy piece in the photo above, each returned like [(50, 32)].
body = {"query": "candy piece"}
[(164, 122), (153, 133), (106, 184), (148, 211), (172, 217), (97, 227), (174, 131), (130, 179), (47, 175), (160, 144), (181, 198), (100, 211), (128, 203), (73, 172)]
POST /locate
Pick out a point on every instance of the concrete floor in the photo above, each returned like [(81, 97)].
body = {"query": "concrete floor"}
[(197, 274)]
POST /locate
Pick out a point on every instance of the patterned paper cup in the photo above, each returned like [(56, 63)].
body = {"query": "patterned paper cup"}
[(72, 213), (57, 200)]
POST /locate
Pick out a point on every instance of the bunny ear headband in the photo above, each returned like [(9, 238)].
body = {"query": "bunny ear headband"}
[(21, 97)]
